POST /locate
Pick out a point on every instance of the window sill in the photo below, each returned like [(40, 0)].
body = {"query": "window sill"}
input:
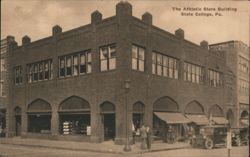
[(76, 76)]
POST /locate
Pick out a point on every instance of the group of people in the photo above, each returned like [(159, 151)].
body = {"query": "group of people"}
[(145, 134)]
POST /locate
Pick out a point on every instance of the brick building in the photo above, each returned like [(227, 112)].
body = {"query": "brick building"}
[(237, 80), (78, 84), (4, 81)]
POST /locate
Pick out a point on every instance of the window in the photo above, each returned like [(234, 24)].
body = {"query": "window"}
[(243, 65), (193, 73), (138, 58), (30, 73), (244, 87), (35, 73), (46, 70), (2, 93), (3, 68), (62, 67), (164, 65), (77, 63), (40, 71), (18, 75), (108, 57), (214, 78), (68, 66)]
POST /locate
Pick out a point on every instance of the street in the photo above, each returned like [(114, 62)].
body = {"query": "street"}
[(23, 151)]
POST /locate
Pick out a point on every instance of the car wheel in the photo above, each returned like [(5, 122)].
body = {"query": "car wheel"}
[(209, 144)]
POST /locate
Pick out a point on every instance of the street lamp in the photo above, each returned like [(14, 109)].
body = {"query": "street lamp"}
[(127, 147)]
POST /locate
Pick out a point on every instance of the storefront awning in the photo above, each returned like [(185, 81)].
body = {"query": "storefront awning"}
[(244, 122), (198, 119), (172, 118), (220, 120)]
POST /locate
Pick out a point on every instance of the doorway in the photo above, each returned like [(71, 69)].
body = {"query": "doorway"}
[(18, 125), (109, 126)]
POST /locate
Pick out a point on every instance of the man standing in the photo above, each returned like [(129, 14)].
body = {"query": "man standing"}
[(148, 131)]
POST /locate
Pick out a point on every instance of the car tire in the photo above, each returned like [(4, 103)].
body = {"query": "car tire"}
[(209, 144)]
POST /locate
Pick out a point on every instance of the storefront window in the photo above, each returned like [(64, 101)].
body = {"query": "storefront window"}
[(74, 124), (74, 115), (39, 123)]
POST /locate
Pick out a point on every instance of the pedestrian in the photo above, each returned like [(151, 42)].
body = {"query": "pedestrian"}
[(133, 132), (170, 134), (143, 137), (148, 131)]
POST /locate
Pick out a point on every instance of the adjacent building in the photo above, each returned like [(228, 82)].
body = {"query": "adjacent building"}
[(93, 82), (4, 82), (236, 81)]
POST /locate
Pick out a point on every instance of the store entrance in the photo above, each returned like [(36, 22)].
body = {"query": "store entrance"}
[(18, 125), (109, 126)]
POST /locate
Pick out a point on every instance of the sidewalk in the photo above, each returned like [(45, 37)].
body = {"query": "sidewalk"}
[(104, 147)]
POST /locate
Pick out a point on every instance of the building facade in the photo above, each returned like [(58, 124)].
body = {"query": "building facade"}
[(91, 83), (4, 82), (237, 80)]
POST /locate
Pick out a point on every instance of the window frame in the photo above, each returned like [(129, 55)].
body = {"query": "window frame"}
[(137, 58), (18, 75), (171, 65), (33, 71), (108, 59)]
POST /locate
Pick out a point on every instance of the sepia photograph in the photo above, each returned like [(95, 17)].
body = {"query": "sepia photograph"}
[(124, 78)]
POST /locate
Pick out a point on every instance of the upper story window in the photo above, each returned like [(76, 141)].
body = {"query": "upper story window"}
[(2, 92), (40, 71), (138, 58), (75, 64), (108, 57), (243, 65), (193, 73), (244, 86), (18, 75), (3, 68), (164, 65), (214, 78)]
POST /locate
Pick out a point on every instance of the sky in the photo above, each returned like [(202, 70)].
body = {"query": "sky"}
[(36, 18)]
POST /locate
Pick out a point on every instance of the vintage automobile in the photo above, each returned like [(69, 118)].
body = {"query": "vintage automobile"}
[(240, 136), (210, 136)]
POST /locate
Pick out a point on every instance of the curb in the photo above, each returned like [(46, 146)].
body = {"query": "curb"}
[(61, 148), (97, 151)]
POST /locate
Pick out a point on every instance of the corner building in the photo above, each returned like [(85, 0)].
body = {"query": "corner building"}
[(236, 81), (78, 85)]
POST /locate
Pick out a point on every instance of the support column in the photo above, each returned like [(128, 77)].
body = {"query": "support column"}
[(96, 126), (54, 123), (24, 123)]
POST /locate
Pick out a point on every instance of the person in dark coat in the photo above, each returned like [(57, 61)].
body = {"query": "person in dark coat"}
[(148, 131)]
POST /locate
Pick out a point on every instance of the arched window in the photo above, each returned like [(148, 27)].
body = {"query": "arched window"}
[(165, 104), (215, 111), (244, 115), (194, 107), (74, 116), (216, 115), (39, 116), (107, 107), (195, 112)]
